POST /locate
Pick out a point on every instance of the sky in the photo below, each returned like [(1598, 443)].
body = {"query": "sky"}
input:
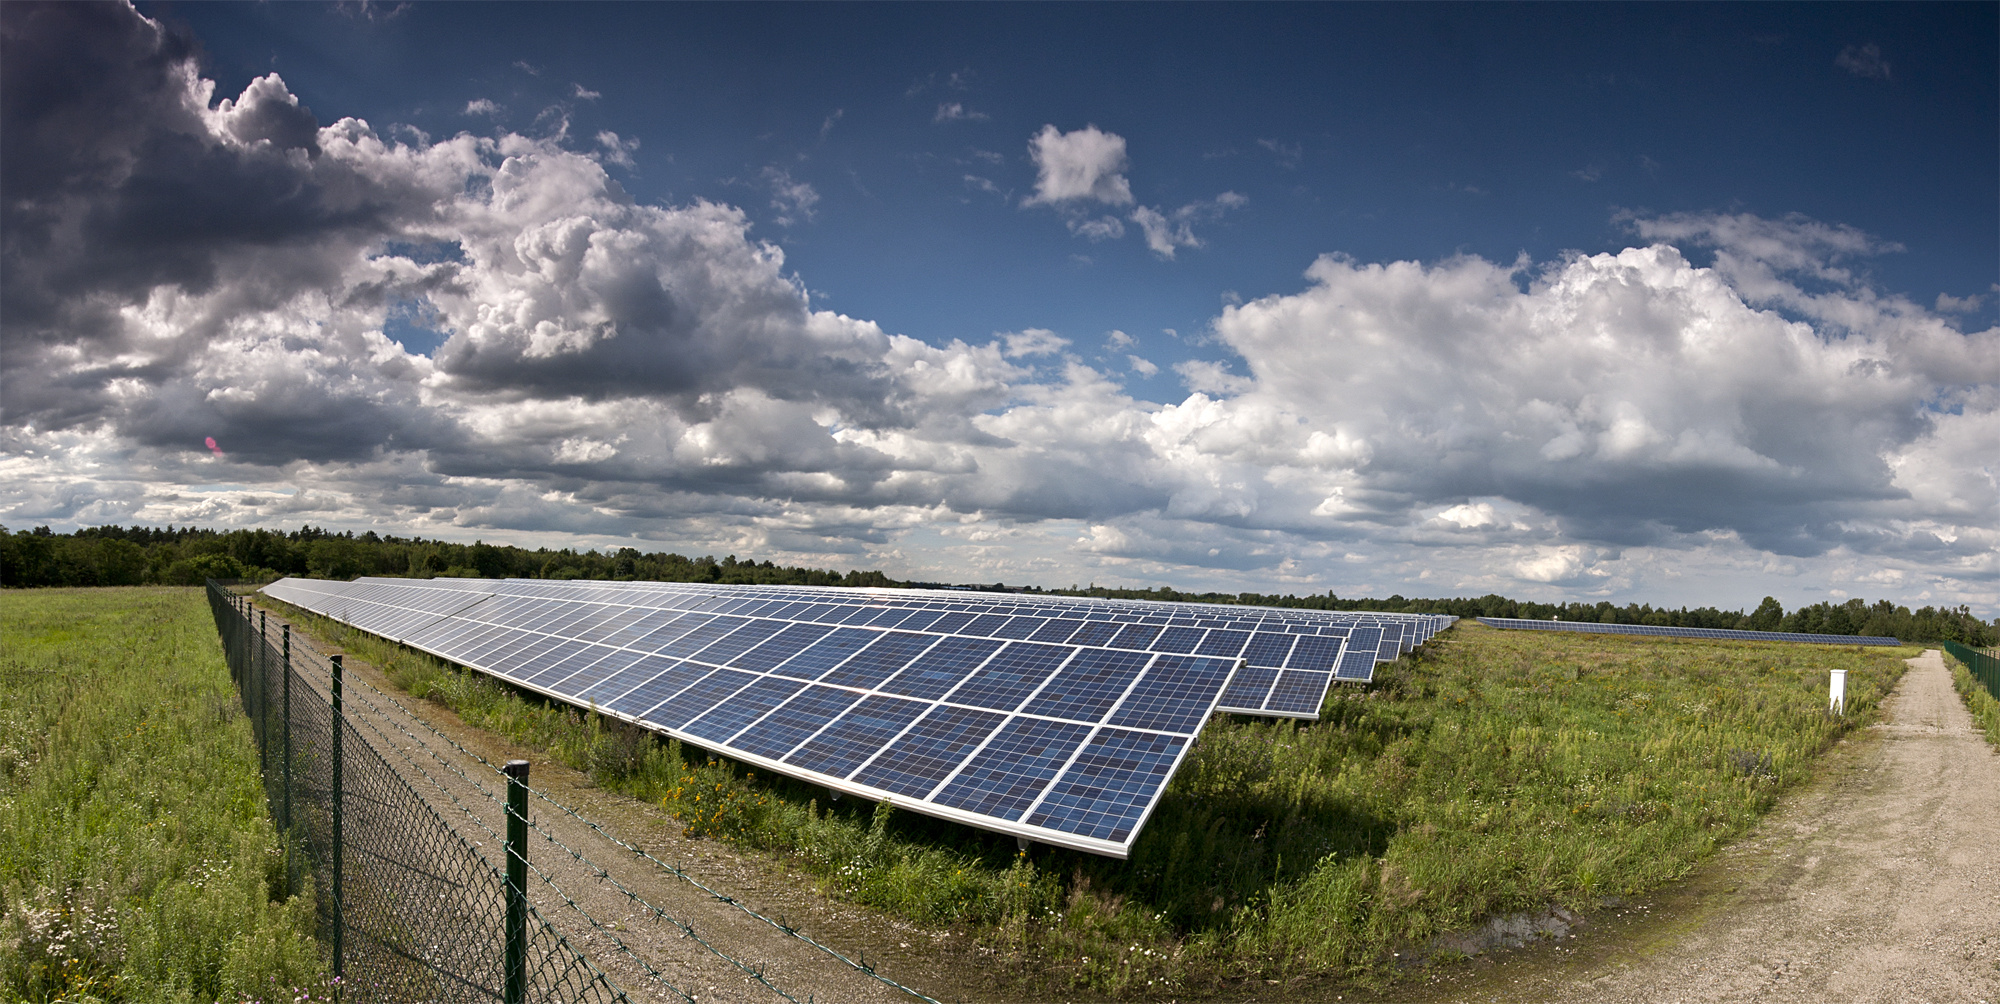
[(1679, 304)]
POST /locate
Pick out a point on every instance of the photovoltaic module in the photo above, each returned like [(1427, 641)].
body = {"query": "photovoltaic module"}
[(1051, 718)]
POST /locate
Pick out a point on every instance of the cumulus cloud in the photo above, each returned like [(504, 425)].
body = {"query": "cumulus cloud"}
[(481, 106), (1087, 165), (180, 267)]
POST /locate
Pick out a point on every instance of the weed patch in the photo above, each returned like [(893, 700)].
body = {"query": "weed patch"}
[(1978, 700), (137, 862)]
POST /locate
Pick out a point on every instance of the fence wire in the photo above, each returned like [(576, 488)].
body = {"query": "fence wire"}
[(1984, 668), (409, 910)]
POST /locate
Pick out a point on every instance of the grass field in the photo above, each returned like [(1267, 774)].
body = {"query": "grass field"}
[(1493, 772), (137, 862)]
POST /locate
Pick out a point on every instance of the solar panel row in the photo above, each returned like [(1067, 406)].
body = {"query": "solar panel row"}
[(1056, 720), (1724, 634)]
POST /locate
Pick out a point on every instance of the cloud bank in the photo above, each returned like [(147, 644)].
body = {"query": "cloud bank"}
[(219, 310)]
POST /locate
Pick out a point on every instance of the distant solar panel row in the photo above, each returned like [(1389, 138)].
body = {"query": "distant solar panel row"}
[(1055, 719), (1586, 627)]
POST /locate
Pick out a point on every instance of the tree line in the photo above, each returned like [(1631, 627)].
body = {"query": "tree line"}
[(123, 556), (185, 556)]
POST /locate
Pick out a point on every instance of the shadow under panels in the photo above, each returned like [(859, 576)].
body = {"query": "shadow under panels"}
[(1051, 719)]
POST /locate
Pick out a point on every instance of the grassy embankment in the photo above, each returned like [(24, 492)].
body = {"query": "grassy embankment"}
[(1494, 772), (137, 862)]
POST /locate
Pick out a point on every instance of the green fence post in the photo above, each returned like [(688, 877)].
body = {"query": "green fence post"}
[(339, 916), (288, 727), (517, 882)]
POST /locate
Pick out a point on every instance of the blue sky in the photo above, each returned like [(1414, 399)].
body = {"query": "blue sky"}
[(1666, 303)]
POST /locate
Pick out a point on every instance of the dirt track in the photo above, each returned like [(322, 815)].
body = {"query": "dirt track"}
[(1881, 883)]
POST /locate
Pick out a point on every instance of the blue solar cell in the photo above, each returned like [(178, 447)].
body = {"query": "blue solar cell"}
[(1248, 688), (1224, 643), (618, 619), (1056, 631), (891, 651), (984, 625), (581, 656), (639, 627), (1089, 685), (739, 641), (1019, 627), (1175, 695), (1268, 648), (1010, 773), (1178, 640), (1314, 652), (779, 647), (827, 653), (858, 735), (677, 625), (648, 695), (620, 674), (713, 689), (1111, 785), (1135, 636), (921, 620), (701, 637), (888, 618), (938, 670), (1009, 677), (745, 706), (819, 612), (599, 671), (1298, 692), (927, 754), (1096, 633), (802, 716), (1356, 664)]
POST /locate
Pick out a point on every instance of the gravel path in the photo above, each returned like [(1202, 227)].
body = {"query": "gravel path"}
[(1881, 884), (438, 772)]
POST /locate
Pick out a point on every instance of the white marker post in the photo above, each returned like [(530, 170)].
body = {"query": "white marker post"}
[(1836, 697)]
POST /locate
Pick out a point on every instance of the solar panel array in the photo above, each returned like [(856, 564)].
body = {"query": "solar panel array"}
[(1724, 634), (1055, 719)]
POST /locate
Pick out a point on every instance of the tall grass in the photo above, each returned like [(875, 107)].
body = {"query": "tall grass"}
[(1978, 700), (1492, 772), (137, 862)]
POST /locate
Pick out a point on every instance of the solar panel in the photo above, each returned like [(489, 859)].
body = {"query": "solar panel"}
[(1719, 634), (1056, 719)]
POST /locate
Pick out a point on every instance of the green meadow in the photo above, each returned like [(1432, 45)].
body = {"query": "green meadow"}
[(1492, 772), (137, 862)]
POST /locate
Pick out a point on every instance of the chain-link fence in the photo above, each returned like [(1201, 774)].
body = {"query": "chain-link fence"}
[(1985, 668), (409, 909)]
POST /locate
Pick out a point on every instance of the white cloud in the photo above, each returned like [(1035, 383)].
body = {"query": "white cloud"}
[(1863, 61), (953, 111), (1085, 165), (481, 106), (1097, 228), (582, 93), (1626, 424), (1143, 366), (616, 150), (1166, 232), (1034, 342), (793, 199)]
